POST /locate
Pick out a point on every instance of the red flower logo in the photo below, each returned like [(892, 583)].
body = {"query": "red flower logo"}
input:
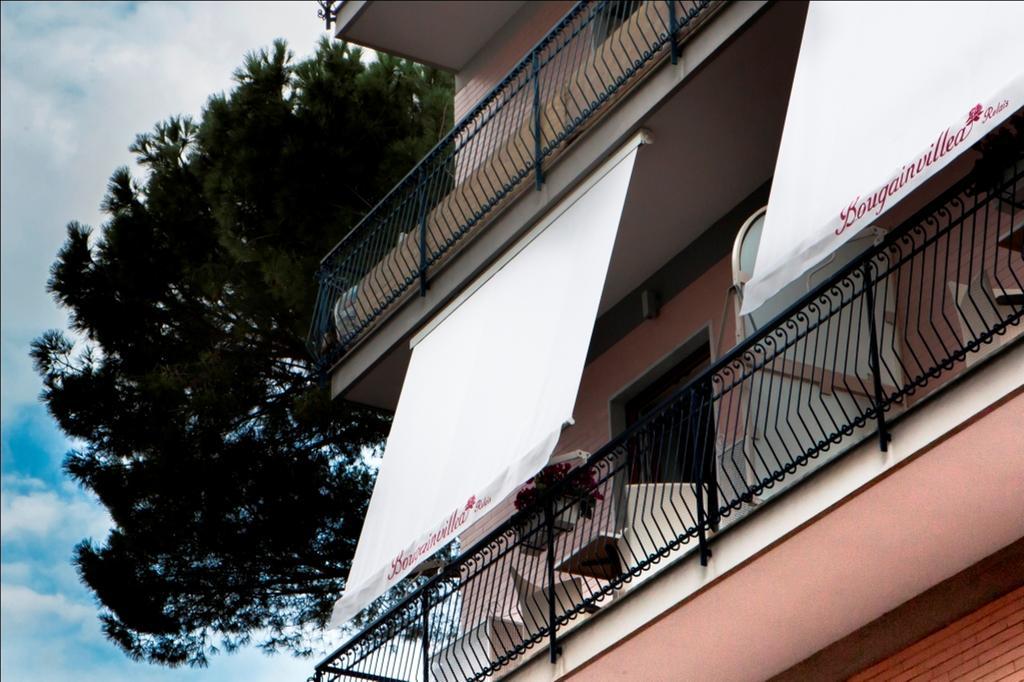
[(974, 114), (471, 502)]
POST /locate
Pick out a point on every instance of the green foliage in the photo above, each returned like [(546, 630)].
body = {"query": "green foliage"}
[(235, 485)]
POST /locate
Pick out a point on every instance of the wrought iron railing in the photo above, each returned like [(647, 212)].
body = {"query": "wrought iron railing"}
[(328, 12), (885, 331), (587, 60)]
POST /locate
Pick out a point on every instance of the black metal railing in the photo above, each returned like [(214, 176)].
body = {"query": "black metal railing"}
[(583, 63), (884, 332), (328, 12)]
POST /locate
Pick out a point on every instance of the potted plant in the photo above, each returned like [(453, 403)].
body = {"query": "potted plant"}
[(578, 498)]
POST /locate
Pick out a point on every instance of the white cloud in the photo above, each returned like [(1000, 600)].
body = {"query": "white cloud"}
[(32, 514), (21, 483), (39, 526), (15, 572), (53, 637), (24, 608), (44, 514)]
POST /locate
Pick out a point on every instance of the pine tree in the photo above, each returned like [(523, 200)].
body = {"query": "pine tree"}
[(235, 485)]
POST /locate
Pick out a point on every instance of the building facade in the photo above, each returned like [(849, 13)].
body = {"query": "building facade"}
[(828, 487)]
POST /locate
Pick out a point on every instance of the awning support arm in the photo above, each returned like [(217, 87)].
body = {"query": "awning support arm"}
[(554, 649), (884, 436), (425, 609), (700, 456)]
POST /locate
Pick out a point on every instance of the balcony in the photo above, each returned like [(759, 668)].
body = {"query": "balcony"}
[(936, 296), (585, 64)]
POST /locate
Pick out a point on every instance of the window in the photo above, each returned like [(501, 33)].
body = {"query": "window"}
[(744, 254), (663, 386), (673, 447)]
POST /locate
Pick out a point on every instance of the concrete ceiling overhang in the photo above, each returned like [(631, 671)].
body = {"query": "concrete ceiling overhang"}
[(441, 33), (716, 140)]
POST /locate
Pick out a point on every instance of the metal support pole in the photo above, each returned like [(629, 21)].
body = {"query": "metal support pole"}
[(538, 173), (423, 233), (425, 610), (673, 26), (698, 462), (702, 536), (711, 464), (554, 649), (873, 359)]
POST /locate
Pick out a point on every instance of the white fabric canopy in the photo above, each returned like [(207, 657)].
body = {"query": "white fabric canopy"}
[(489, 387), (885, 95)]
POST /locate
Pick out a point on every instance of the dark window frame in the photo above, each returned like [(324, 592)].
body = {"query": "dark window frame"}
[(674, 448)]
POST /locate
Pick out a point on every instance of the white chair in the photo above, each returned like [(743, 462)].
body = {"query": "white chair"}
[(533, 599), (657, 512), (476, 648), (346, 317), (977, 311)]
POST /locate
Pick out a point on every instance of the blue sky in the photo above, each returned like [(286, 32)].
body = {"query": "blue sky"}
[(78, 80)]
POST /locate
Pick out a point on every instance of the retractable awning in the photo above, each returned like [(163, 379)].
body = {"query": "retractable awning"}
[(489, 387), (884, 96)]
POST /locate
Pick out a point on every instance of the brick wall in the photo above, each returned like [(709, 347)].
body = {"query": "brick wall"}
[(986, 646)]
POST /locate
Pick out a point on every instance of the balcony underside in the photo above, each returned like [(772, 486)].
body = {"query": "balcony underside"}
[(441, 33)]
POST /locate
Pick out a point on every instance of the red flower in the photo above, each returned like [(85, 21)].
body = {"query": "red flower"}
[(974, 114), (584, 485), (470, 502)]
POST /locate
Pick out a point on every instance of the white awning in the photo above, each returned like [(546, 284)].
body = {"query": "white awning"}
[(885, 95), (489, 387)]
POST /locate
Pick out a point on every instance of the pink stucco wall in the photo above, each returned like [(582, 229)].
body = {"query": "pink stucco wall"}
[(486, 69)]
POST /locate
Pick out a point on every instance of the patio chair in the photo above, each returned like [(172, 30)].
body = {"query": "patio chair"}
[(533, 599), (977, 310), (478, 647)]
